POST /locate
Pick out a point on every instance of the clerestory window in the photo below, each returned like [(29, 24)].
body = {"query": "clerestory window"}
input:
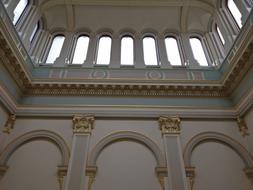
[(220, 34), (22, 4), (127, 51), (198, 51), (172, 51), (34, 32), (81, 49), (237, 15), (104, 50), (149, 51), (55, 49)]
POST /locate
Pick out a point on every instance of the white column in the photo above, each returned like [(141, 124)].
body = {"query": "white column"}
[(163, 54), (91, 52), (188, 51), (138, 53), (115, 53), (170, 128), (82, 126), (63, 58)]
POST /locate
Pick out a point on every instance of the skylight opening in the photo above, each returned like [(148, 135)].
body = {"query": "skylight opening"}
[(172, 51), (55, 49), (35, 30), (81, 50), (220, 35), (104, 50), (198, 51), (235, 12), (19, 10), (127, 51), (149, 50)]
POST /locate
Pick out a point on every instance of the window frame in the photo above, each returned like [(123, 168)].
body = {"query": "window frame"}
[(73, 48), (180, 48), (151, 35), (206, 53), (134, 54), (232, 16), (49, 45), (97, 48)]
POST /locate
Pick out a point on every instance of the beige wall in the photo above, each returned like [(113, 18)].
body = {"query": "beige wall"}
[(124, 164)]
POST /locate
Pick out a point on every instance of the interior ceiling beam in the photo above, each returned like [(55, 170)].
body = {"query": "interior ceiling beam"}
[(184, 15), (47, 4), (70, 16)]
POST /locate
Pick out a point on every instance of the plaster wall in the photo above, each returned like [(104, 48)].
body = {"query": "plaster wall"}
[(130, 164)]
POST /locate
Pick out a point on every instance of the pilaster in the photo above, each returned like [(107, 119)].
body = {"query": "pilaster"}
[(82, 128), (170, 129)]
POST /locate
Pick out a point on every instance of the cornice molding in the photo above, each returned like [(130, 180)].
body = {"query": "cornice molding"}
[(28, 86)]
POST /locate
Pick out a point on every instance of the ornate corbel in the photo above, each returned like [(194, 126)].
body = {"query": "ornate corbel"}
[(190, 174), (83, 124), (161, 173), (61, 173), (169, 125), (242, 126), (9, 124), (91, 172), (249, 173), (3, 170)]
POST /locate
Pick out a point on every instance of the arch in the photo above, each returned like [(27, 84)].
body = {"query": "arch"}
[(126, 135), (36, 135), (220, 138)]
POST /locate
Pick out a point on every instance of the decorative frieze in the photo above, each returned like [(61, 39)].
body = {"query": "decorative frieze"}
[(242, 127), (9, 124), (83, 124), (169, 125)]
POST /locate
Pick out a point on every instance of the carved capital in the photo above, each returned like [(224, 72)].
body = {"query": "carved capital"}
[(91, 171), (83, 124), (9, 124), (242, 127), (190, 174), (169, 125), (3, 170), (249, 173)]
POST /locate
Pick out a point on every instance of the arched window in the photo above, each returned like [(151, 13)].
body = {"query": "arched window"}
[(104, 50), (237, 15), (220, 34), (198, 51), (35, 31), (149, 50), (81, 49), (172, 51), (19, 10), (55, 48), (127, 51)]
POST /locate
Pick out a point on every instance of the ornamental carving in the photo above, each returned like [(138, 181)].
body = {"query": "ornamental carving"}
[(242, 127), (190, 174), (169, 125), (9, 124), (249, 173), (83, 124)]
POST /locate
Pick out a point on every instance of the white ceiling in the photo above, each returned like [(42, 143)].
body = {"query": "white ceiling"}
[(138, 15)]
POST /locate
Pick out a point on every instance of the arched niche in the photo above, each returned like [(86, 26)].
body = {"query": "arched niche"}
[(160, 169), (33, 136), (219, 138)]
